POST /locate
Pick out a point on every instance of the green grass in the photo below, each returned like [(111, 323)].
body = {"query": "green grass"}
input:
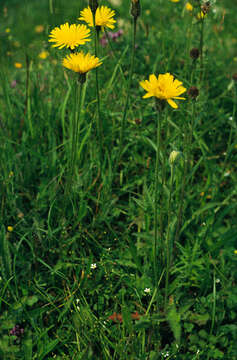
[(106, 214)]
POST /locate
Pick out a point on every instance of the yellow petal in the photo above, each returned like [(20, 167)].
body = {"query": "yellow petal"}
[(172, 103)]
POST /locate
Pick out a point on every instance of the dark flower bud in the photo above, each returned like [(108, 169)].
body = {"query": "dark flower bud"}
[(193, 92), (194, 53), (206, 7), (136, 8), (93, 5), (234, 76)]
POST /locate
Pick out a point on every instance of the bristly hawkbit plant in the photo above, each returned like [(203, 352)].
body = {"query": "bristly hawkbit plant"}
[(164, 88), (71, 36)]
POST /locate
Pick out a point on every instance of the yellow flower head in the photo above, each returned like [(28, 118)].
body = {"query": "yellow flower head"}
[(39, 29), (18, 65), (175, 0), (80, 62), (43, 55), (103, 17), (164, 88), (69, 35), (189, 7), (10, 228)]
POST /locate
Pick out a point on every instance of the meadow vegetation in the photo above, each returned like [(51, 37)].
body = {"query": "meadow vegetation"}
[(118, 237)]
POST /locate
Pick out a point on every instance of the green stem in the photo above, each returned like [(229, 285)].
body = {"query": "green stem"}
[(201, 48), (75, 136), (28, 103), (155, 243), (187, 147), (128, 90), (168, 247), (51, 6), (99, 120)]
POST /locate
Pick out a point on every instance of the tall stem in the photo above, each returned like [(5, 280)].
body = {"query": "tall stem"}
[(155, 243), (168, 247), (128, 89), (99, 120), (201, 47), (28, 102), (75, 135), (188, 141)]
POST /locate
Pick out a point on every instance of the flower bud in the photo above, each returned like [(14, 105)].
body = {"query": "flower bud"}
[(193, 92), (174, 155), (194, 53), (234, 77), (135, 9)]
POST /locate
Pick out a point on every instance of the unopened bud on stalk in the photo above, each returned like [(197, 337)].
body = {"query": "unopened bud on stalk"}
[(194, 53), (193, 92), (174, 155), (93, 5), (234, 77), (206, 7), (135, 9)]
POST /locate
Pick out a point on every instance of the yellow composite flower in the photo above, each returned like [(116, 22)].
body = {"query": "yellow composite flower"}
[(80, 62), (18, 65), (189, 7), (164, 88), (175, 0), (103, 17), (43, 55), (39, 29), (69, 35)]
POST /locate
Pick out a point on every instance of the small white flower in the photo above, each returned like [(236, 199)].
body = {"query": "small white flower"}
[(231, 118), (77, 301), (218, 281), (147, 290), (93, 266)]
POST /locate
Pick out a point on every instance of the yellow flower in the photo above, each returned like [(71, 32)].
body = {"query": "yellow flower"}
[(43, 55), (8, 30), (189, 7), (39, 29), (235, 252), (69, 35), (164, 87), (80, 62), (10, 228), (18, 65), (174, 0), (103, 17)]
